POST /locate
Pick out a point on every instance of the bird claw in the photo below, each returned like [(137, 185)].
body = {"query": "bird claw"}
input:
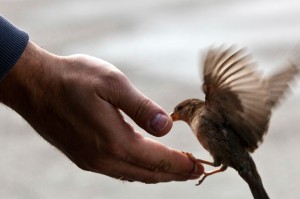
[(195, 162), (201, 180), (189, 155), (221, 169)]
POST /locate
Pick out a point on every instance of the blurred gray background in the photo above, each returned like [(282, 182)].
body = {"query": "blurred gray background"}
[(157, 44)]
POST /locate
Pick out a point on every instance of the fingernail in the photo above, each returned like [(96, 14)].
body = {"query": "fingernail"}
[(159, 122)]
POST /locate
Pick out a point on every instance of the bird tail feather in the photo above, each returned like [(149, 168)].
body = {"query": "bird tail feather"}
[(251, 176)]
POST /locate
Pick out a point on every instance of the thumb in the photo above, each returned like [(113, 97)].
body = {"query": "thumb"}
[(146, 113), (143, 111)]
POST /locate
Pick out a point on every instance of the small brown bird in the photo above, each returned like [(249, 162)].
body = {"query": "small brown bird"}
[(235, 115)]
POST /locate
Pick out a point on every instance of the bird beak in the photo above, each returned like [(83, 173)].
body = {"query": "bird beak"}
[(174, 116)]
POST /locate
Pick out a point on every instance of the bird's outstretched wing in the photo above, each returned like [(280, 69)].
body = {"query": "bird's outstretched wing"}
[(236, 90), (279, 82)]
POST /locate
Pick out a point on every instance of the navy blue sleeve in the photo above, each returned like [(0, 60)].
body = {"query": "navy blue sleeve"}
[(12, 44)]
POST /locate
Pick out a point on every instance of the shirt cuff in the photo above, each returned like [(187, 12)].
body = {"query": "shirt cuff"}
[(13, 42)]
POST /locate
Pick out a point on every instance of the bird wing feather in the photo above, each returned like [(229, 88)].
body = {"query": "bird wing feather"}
[(236, 89), (279, 82)]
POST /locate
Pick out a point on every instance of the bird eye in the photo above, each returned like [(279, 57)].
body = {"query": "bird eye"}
[(179, 108)]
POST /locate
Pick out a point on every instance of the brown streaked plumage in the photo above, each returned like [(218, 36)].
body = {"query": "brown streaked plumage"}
[(235, 115)]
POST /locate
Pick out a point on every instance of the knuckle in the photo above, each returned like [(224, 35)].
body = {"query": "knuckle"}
[(115, 77), (163, 165), (141, 109), (113, 83)]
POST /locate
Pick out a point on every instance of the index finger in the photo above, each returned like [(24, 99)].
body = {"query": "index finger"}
[(155, 156)]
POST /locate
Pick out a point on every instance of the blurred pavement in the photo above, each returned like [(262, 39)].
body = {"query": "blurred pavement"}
[(157, 44)]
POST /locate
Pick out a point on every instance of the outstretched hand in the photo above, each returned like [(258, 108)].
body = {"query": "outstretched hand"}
[(74, 103)]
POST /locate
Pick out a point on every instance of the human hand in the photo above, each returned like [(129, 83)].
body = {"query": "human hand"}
[(74, 103)]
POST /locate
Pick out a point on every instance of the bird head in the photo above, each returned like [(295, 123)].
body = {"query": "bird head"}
[(186, 110)]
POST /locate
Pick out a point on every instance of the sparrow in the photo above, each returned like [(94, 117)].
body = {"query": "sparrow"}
[(231, 122)]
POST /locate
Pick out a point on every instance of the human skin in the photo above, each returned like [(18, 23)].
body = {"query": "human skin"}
[(74, 103)]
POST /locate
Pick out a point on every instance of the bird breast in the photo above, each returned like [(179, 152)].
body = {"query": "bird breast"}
[(196, 126)]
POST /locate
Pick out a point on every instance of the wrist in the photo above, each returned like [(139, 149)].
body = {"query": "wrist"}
[(24, 86)]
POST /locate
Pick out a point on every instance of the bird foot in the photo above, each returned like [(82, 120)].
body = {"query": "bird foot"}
[(201, 180), (221, 169), (196, 160)]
